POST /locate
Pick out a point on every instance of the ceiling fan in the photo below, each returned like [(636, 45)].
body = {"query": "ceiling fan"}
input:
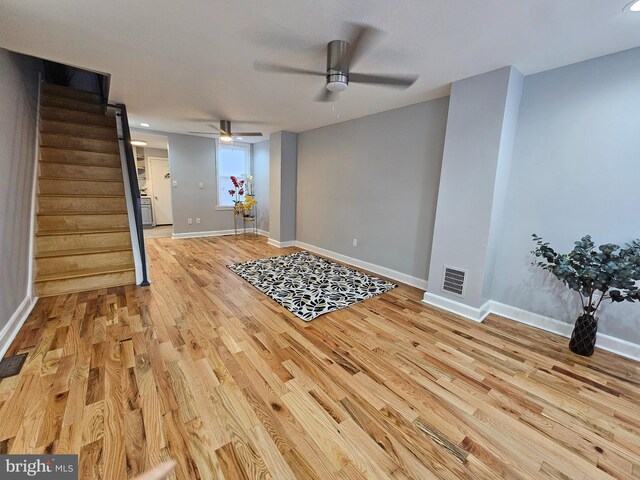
[(341, 55), (225, 132)]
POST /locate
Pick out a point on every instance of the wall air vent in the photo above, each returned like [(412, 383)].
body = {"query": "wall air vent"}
[(453, 280)]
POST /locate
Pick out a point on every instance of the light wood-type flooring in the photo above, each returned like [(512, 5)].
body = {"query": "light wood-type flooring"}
[(203, 368)]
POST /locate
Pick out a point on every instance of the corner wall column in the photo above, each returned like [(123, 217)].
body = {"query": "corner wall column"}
[(481, 126), (283, 167)]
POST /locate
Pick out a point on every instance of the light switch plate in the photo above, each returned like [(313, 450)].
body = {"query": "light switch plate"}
[(200, 185), (174, 183)]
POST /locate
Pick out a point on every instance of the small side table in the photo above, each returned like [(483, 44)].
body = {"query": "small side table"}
[(248, 218)]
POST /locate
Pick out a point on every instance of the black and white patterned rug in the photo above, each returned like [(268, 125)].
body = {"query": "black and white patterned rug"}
[(310, 286)]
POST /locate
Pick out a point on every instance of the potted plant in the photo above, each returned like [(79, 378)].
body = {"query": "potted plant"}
[(606, 273)]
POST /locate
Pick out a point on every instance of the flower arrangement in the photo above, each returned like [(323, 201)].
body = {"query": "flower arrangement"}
[(249, 202), (237, 192), (249, 183)]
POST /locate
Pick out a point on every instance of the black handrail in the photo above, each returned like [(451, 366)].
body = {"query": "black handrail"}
[(132, 170)]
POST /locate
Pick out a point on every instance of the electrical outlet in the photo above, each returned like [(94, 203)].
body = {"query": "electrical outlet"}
[(355, 242), (189, 221), (174, 183), (200, 185), (198, 220)]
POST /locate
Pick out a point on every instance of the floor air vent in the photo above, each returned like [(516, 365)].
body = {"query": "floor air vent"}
[(453, 280)]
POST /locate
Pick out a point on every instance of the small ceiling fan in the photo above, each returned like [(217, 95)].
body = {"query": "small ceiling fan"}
[(225, 132), (341, 55)]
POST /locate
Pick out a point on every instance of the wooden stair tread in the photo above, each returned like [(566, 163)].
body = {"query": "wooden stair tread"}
[(50, 95), (82, 195), (49, 233), (85, 136), (56, 90), (71, 179), (79, 164), (77, 149), (83, 251), (77, 111), (83, 212), (87, 272), (106, 140)]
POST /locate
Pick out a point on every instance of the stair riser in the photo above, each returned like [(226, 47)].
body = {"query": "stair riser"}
[(56, 170), (79, 205), (83, 284), (57, 223), (91, 131), (64, 115), (78, 143), (45, 266), (49, 89), (79, 157), (61, 102), (74, 241), (79, 187)]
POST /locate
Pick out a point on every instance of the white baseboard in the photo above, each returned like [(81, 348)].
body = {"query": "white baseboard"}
[(264, 233), (212, 233), (11, 329), (372, 267), (472, 313), (603, 341), (278, 244)]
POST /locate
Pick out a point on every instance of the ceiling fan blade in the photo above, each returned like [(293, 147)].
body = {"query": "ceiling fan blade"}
[(246, 134), (326, 96), (205, 133), (391, 80), (272, 67), (214, 126), (362, 36)]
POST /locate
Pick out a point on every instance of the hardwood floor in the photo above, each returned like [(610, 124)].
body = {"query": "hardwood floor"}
[(203, 368)]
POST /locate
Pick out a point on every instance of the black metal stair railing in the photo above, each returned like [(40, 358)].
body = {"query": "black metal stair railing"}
[(133, 184)]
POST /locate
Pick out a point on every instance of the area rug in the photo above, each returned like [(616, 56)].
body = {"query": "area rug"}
[(309, 286)]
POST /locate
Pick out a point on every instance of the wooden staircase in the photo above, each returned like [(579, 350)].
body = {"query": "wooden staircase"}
[(82, 227)]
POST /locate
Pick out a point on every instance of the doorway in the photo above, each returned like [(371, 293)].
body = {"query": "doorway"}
[(161, 190)]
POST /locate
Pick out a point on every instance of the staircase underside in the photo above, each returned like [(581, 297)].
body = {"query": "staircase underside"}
[(82, 226)]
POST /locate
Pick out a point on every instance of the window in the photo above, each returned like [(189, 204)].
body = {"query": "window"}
[(232, 160)]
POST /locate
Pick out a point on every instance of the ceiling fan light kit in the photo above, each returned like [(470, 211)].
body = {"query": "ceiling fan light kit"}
[(337, 80)]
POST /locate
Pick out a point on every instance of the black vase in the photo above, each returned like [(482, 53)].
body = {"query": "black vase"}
[(583, 338)]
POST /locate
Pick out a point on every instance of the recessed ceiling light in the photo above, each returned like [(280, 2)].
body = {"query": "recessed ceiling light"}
[(634, 6), (138, 143), (142, 124), (239, 138)]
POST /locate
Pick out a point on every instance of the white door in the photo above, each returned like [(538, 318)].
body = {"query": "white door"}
[(161, 190)]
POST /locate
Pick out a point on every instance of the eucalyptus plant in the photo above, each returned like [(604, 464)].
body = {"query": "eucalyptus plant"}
[(608, 272)]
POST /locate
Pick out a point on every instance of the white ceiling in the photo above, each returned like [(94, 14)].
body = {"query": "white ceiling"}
[(178, 64)]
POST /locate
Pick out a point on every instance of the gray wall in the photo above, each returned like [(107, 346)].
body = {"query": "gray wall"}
[(260, 159), (476, 158), (192, 160), (18, 112), (575, 170), (375, 179), (283, 159)]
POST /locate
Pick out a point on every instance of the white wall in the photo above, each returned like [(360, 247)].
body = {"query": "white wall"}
[(575, 171), (18, 112), (260, 156), (375, 179)]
